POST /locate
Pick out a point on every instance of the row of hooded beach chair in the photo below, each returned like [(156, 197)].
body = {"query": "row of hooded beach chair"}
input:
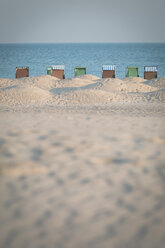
[(108, 71), (56, 71), (150, 72)]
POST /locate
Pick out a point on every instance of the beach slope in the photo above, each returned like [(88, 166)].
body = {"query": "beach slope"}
[(82, 163)]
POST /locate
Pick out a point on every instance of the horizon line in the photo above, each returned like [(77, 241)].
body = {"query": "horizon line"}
[(89, 42)]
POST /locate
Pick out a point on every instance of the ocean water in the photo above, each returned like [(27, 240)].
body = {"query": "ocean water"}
[(90, 55)]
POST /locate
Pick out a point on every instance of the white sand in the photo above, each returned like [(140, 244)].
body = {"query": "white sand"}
[(82, 163), (80, 91)]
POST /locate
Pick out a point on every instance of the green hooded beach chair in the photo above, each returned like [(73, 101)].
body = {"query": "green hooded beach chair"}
[(132, 71)]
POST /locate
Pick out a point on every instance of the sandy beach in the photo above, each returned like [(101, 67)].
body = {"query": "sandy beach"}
[(82, 162)]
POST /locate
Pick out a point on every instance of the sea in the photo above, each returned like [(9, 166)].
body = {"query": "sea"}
[(90, 55)]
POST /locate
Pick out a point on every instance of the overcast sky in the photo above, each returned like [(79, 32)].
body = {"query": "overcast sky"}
[(82, 21)]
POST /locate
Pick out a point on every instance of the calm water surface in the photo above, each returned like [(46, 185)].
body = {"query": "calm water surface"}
[(91, 55)]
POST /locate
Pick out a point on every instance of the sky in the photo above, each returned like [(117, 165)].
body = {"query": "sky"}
[(26, 21)]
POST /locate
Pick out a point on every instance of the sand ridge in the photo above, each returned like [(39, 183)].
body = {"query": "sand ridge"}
[(85, 89)]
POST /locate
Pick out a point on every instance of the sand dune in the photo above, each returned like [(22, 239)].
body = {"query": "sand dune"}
[(158, 83), (156, 96), (23, 95), (45, 82), (86, 89), (126, 85)]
